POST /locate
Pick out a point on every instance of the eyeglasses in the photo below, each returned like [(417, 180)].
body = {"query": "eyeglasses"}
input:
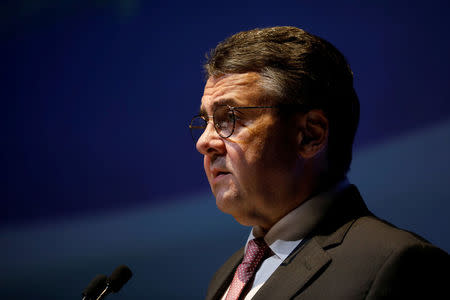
[(224, 120)]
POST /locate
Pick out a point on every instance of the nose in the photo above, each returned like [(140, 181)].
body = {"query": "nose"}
[(210, 142)]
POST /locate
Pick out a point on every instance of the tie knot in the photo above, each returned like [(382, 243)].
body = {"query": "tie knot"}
[(256, 251)]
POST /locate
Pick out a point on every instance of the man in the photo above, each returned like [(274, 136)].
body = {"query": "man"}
[(277, 121)]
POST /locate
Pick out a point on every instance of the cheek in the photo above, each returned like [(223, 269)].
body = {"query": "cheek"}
[(248, 167), (269, 154), (257, 152), (252, 143)]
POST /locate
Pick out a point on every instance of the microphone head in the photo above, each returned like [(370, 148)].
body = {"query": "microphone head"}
[(96, 286), (119, 277)]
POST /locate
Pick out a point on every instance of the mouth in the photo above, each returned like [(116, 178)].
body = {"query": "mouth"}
[(222, 174), (219, 173)]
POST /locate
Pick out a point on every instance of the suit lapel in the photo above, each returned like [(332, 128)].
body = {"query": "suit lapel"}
[(295, 272), (310, 259), (222, 279), (302, 265)]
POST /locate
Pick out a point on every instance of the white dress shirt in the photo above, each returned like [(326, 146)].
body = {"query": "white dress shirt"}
[(288, 233)]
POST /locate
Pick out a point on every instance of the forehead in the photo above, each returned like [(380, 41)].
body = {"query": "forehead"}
[(232, 89)]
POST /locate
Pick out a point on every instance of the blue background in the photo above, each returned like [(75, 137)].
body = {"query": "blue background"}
[(99, 167)]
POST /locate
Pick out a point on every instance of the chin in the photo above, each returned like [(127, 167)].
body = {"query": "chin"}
[(244, 221), (228, 203), (224, 205), (229, 207)]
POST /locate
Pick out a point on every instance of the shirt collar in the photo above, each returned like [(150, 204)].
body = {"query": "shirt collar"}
[(288, 232)]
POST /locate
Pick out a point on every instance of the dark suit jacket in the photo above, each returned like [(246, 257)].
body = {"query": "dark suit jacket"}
[(352, 255)]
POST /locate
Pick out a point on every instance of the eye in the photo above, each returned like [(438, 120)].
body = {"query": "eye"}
[(238, 115), (230, 115), (224, 120)]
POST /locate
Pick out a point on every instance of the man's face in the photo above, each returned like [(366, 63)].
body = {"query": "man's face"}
[(252, 173)]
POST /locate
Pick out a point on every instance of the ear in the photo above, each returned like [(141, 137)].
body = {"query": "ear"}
[(312, 136)]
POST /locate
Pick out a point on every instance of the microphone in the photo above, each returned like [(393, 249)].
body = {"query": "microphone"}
[(95, 287), (116, 281)]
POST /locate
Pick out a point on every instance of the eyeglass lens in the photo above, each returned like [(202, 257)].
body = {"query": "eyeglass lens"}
[(223, 118)]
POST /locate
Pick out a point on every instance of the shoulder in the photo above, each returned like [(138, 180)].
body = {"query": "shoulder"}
[(403, 263), (364, 230), (374, 232), (370, 237)]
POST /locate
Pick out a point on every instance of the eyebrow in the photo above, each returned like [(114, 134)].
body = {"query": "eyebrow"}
[(224, 101)]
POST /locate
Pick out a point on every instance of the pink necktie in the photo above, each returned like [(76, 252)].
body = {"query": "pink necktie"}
[(256, 251)]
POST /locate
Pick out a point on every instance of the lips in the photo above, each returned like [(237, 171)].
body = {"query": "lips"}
[(218, 172)]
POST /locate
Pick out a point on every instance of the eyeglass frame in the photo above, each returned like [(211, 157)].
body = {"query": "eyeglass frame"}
[(232, 109)]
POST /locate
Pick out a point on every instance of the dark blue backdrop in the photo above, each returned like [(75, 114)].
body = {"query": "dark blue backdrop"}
[(99, 167)]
